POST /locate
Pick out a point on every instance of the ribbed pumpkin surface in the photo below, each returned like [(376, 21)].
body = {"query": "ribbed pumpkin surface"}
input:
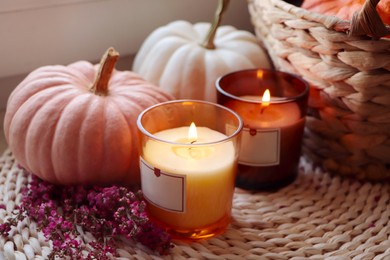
[(62, 131)]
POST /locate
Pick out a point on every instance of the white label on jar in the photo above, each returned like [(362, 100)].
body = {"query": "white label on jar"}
[(260, 147), (164, 190)]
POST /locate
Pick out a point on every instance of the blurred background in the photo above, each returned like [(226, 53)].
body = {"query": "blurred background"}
[(35, 33)]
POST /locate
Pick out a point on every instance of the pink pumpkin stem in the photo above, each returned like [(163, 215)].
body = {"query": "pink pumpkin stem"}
[(107, 65)]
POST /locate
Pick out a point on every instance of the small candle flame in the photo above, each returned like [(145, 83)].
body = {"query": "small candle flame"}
[(266, 98), (192, 133)]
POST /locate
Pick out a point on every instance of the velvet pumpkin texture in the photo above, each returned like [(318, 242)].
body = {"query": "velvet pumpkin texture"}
[(76, 124), (186, 59), (344, 9)]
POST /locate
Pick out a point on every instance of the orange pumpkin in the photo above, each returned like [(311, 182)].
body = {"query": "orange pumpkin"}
[(76, 124), (344, 9)]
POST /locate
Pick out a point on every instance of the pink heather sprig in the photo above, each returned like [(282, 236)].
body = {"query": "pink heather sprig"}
[(106, 212)]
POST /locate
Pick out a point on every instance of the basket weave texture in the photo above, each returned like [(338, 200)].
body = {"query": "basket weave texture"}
[(319, 216), (348, 122)]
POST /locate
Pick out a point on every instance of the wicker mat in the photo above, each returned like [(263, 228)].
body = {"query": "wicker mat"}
[(317, 217)]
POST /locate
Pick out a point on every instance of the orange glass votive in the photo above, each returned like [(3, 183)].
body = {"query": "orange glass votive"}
[(273, 129), (188, 180)]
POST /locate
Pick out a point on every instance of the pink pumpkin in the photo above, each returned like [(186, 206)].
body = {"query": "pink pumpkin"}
[(76, 124)]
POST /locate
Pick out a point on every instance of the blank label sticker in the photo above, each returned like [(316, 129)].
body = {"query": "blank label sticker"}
[(164, 190), (260, 147)]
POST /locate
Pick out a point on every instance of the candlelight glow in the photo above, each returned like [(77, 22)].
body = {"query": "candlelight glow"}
[(260, 74), (192, 133), (266, 98)]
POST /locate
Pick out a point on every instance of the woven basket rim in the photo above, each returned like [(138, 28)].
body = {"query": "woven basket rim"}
[(351, 28)]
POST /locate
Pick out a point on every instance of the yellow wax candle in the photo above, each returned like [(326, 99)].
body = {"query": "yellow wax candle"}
[(188, 186)]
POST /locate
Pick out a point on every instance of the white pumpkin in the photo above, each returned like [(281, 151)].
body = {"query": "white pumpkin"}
[(186, 59)]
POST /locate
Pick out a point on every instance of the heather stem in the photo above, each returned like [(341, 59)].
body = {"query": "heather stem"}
[(107, 65)]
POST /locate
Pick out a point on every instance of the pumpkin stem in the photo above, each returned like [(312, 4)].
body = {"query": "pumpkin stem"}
[(107, 65), (208, 42)]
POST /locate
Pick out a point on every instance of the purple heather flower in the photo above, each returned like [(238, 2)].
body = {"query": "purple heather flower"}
[(105, 212)]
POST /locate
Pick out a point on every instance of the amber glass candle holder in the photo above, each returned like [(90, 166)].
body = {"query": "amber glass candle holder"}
[(188, 179), (273, 129)]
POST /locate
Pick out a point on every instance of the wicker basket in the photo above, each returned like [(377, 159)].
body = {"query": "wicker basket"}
[(348, 124)]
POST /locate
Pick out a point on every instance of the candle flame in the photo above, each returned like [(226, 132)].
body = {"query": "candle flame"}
[(192, 133), (266, 98)]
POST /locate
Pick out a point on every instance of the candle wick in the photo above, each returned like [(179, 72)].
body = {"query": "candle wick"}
[(262, 109), (192, 142)]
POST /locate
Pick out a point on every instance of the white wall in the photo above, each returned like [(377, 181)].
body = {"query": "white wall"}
[(61, 32)]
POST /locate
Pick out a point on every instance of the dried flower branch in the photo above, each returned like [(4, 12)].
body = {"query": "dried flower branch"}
[(106, 212)]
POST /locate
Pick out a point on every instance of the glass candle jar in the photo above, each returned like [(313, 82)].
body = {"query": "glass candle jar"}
[(188, 160), (273, 127)]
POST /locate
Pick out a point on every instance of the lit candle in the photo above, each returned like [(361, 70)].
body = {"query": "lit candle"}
[(273, 124), (188, 171), (264, 126), (269, 116), (205, 170)]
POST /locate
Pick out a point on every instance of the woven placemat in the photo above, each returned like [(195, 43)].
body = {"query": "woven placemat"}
[(319, 216)]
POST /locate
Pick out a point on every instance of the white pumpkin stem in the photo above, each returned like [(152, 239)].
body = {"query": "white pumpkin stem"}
[(107, 65), (208, 42)]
